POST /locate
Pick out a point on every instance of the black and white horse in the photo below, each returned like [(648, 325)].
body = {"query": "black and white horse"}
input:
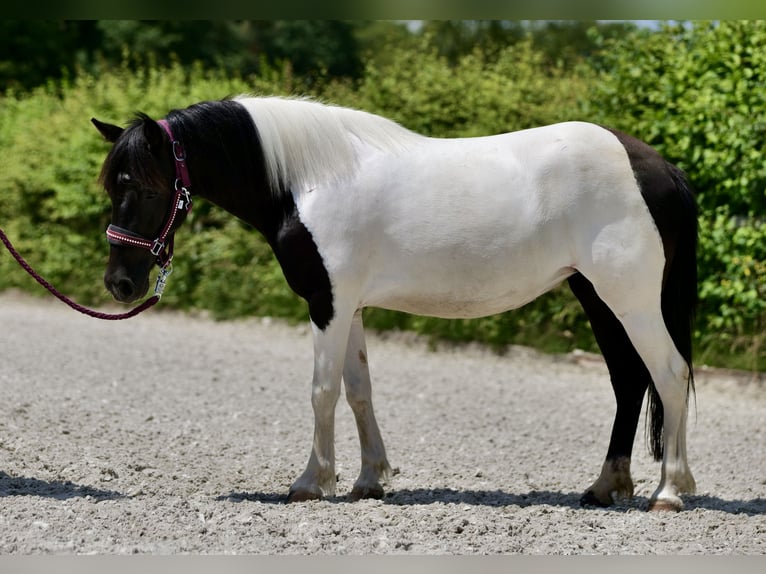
[(360, 212)]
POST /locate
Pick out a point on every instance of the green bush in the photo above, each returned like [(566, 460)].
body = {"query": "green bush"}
[(478, 96), (696, 94), (733, 290), (55, 212)]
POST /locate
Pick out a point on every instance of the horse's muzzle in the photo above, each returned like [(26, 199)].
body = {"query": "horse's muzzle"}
[(123, 288)]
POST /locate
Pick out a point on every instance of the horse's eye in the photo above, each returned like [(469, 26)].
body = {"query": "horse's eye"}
[(123, 178)]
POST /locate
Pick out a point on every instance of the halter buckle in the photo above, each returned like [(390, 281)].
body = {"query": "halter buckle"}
[(157, 247)]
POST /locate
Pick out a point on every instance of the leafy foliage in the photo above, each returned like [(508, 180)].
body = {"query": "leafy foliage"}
[(732, 317), (478, 95), (53, 208), (697, 95), (34, 51), (694, 92)]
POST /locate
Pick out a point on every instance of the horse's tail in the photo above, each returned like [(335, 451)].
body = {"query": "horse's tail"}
[(679, 296)]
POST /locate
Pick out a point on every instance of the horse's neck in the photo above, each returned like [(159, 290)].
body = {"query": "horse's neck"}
[(252, 204), (226, 165)]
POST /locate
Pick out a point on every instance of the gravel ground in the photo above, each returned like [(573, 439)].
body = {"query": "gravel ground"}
[(171, 434)]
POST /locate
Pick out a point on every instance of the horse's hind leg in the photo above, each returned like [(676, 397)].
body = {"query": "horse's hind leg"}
[(630, 379), (356, 377), (670, 374), (639, 311)]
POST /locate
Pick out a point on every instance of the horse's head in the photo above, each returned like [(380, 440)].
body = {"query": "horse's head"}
[(140, 179)]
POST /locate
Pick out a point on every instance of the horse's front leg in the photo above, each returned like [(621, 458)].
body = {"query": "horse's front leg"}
[(356, 377), (318, 480)]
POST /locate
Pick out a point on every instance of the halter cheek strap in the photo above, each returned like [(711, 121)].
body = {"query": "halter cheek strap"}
[(161, 247), (182, 172)]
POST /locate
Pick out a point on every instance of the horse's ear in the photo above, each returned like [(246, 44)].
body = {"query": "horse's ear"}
[(109, 131), (153, 134)]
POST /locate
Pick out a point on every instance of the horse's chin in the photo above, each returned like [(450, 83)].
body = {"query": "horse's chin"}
[(130, 299)]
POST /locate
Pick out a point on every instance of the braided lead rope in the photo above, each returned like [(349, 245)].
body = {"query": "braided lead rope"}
[(164, 272)]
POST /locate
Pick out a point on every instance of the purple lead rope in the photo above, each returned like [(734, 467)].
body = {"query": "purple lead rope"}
[(76, 306)]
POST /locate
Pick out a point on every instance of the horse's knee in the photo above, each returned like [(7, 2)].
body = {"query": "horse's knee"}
[(324, 395)]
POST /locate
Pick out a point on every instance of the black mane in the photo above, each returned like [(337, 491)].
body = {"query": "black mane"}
[(222, 146)]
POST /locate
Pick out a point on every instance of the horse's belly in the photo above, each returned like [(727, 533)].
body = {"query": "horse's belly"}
[(461, 297)]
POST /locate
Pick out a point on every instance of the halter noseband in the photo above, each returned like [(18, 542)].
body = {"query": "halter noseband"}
[(161, 247)]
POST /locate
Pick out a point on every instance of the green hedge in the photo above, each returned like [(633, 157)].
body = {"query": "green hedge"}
[(55, 212), (702, 114), (698, 95)]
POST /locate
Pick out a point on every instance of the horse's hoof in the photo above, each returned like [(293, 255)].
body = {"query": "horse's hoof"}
[(590, 499), (361, 492), (303, 496), (665, 505)]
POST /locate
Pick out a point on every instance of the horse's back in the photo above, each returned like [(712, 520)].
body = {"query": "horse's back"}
[(473, 226)]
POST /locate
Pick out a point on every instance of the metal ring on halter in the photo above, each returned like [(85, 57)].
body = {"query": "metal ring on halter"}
[(177, 145)]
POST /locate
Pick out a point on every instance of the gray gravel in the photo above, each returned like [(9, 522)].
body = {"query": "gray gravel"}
[(170, 434)]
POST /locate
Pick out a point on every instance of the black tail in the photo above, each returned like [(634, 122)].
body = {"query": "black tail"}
[(679, 294)]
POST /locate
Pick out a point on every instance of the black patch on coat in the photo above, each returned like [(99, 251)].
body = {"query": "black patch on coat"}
[(302, 264), (227, 167), (672, 205), (653, 175)]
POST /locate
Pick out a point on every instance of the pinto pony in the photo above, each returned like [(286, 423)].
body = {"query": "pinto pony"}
[(360, 212)]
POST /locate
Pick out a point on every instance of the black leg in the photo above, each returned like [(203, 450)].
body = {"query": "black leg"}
[(630, 379)]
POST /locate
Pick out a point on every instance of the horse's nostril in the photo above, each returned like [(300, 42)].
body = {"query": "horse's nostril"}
[(125, 288), (122, 288)]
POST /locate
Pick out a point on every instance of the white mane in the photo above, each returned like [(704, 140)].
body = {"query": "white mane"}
[(306, 143)]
